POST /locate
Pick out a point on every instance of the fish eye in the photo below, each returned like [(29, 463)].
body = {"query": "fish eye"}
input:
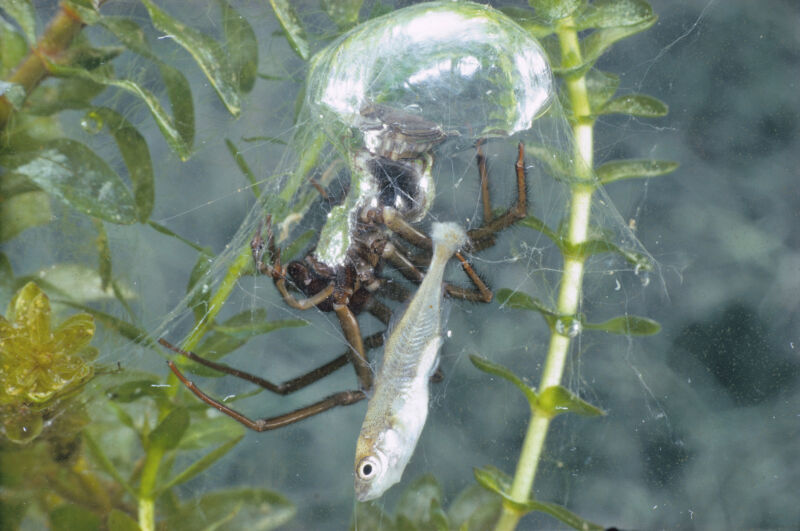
[(368, 468)]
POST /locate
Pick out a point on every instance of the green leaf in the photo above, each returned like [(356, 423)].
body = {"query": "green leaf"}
[(164, 230), (199, 297), (599, 246), (68, 517), (169, 431), (599, 41), (12, 48), (241, 46), (78, 282), (628, 325), (555, 9), (206, 52), (636, 105), (204, 462), (523, 301), (207, 432), (176, 135), (616, 170), (179, 92), (136, 156), (73, 173), (104, 255), (498, 370), (556, 400), (23, 211), (243, 167), (557, 163), (237, 508), (23, 13), (497, 481), (562, 514), (90, 57), (613, 13), (7, 284), (49, 99), (119, 521), (344, 13), (134, 390), (493, 479), (292, 27), (532, 222), (256, 328), (600, 87), (474, 509), (533, 24)]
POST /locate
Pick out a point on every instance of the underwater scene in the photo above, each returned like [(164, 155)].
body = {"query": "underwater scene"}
[(399, 265)]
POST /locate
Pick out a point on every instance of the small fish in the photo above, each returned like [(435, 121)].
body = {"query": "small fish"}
[(399, 406)]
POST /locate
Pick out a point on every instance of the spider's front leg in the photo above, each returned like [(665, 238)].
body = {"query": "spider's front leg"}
[(274, 269)]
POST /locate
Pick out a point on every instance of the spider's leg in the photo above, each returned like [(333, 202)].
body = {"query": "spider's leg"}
[(344, 398), (484, 175), (480, 236), (276, 271), (352, 333), (380, 311), (289, 386)]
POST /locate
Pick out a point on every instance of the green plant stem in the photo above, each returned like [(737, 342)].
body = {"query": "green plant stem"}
[(571, 282), (64, 27), (147, 490)]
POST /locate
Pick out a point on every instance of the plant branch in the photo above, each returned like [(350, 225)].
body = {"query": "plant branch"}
[(33, 69), (569, 296)]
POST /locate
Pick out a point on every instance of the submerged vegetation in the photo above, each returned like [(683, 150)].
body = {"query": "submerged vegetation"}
[(91, 445)]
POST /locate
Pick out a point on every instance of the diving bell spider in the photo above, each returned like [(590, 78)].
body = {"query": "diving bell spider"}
[(348, 289)]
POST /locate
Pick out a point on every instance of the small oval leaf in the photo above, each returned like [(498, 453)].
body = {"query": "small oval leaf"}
[(136, 156), (344, 13), (556, 400), (23, 13), (616, 170), (523, 301), (169, 431), (207, 54), (172, 131), (600, 87), (179, 92), (23, 211), (598, 246), (505, 373), (70, 171), (292, 27), (207, 432), (613, 13), (241, 46), (555, 9), (636, 105), (628, 325)]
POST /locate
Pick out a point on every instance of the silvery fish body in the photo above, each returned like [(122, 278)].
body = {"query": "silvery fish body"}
[(399, 406)]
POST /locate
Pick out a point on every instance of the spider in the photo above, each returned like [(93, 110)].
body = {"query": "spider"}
[(397, 157)]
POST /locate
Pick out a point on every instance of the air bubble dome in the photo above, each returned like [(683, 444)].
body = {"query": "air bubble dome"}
[(464, 66)]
